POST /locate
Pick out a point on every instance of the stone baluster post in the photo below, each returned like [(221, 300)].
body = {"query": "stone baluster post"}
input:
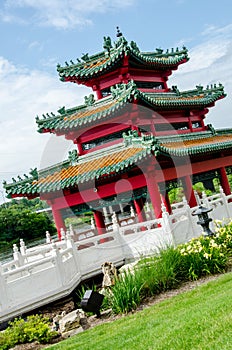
[(225, 203), (22, 246), (205, 200), (62, 234), (71, 230), (167, 224), (58, 264), (93, 227), (148, 211), (70, 244), (191, 227), (115, 221), (23, 249), (3, 291), (107, 221), (48, 237), (17, 256), (132, 212), (197, 197)]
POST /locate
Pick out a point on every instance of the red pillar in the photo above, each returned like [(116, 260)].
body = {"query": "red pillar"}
[(138, 203), (224, 181), (99, 222), (153, 190), (188, 190), (59, 222)]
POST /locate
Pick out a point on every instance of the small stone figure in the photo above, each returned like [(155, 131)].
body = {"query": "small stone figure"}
[(109, 274)]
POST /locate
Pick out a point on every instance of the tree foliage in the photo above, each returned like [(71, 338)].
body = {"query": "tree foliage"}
[(18, 219)]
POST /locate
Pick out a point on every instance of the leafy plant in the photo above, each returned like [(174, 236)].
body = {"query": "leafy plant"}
[(20, 331)]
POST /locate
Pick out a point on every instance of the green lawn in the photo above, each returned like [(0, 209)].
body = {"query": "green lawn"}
[(199, 319)]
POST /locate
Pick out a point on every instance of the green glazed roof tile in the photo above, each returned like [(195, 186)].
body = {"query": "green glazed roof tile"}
[(89, 67), (118, 158), (62, 176), (122, 94)]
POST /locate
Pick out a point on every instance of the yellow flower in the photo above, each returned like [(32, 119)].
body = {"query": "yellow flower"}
[(222, 230)]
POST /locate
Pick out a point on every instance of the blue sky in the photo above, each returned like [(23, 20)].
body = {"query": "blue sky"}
[(38, 34)]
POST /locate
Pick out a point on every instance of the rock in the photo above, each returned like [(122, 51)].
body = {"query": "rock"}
[(71, 321)]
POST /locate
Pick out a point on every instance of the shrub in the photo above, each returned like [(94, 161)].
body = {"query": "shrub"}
[(223, 235), (34, 328), (202, 256)]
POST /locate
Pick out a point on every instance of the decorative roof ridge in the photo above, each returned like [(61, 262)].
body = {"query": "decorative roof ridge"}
[(224, 131), (63, 112), (92, 110), (27, 179), (184, 137), (160, 52), (192, 97), (200, 89), (193, 149), (114, 52), (129, 89), (75, 159), (85, 59)]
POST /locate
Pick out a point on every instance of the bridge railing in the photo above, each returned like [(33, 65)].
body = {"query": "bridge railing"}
[(42, 274)]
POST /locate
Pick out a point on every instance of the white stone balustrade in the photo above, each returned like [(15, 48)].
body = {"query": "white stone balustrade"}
[(42, 274)]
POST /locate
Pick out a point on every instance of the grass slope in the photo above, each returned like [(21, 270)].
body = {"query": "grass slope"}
[(198, 319)]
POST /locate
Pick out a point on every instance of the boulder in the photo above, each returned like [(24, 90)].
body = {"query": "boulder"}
[(71, 321)]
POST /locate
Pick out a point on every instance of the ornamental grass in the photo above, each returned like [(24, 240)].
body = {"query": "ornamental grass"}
[(173, 265)]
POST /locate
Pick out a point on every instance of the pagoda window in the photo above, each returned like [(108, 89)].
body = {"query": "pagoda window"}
[(149, 85), (103, 140), (145, 128), (105, 92), (196, 125), (171, 126)]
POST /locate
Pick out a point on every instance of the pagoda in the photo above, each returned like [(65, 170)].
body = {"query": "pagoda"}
[(135, 138)]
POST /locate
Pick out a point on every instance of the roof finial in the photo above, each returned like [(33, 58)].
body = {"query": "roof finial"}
[(118, 32)]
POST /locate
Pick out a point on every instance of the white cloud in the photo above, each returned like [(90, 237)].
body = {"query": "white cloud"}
[(210, 62), (23, 95), (61, 13)]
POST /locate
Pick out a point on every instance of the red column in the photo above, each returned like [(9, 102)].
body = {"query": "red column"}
[(154, 193), (188, 191), (59, 222), (138, 203), (99, 222), (224, 181)]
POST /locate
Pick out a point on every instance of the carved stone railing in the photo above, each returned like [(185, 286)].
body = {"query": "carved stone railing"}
[(47, 272)]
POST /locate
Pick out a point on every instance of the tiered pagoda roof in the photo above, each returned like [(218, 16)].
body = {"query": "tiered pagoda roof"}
[(111, 160), (93, 112), (119, 158), (92, 66)]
